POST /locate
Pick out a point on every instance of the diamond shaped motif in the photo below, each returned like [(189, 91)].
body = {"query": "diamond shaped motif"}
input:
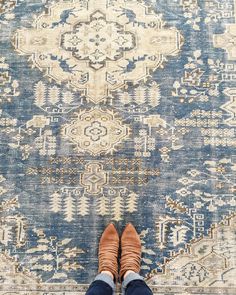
[(96, 131)]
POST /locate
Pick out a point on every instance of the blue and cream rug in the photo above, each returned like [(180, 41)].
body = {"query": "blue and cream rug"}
[(117, 110)]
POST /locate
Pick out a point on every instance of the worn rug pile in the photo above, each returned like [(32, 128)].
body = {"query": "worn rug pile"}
[(123, 111)]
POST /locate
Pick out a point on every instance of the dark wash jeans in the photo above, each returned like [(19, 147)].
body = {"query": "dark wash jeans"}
[(132, 285)]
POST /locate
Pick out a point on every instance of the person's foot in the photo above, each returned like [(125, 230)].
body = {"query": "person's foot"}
[(108, 251), (130, 251)]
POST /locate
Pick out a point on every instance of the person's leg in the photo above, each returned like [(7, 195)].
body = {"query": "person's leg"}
[(134, 284), (103, 284)]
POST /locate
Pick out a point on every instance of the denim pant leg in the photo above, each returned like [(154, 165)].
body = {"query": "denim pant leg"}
[(134, 284), (103, 284)]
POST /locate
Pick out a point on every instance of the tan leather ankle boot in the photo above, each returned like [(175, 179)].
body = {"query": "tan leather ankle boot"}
[(108, 251), (130, 251)]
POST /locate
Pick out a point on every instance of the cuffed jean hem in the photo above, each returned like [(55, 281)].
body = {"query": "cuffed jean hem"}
[(130, 277), (107, 279)]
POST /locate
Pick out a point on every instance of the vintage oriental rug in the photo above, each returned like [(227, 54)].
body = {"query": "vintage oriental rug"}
[(117, 110)]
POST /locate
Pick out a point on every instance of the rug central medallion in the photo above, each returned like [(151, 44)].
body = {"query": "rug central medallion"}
[(98, 41), (83, 46)]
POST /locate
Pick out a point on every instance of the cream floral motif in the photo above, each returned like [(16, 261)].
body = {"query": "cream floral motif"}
[(205, 262), (8, 86), (84, 47), (96, 131), (98, 41), (12, 226), (227, 41), (7, 8)]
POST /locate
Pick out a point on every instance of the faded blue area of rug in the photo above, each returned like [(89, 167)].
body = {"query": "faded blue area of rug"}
[(118, 110)]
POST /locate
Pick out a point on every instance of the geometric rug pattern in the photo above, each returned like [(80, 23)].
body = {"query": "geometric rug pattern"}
[(122, 111)]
